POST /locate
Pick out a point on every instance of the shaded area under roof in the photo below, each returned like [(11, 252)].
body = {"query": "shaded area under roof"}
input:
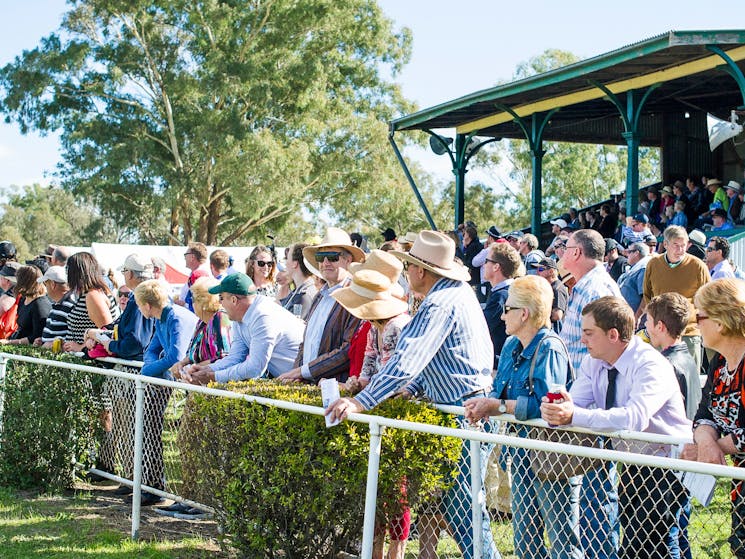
[(691, 77)]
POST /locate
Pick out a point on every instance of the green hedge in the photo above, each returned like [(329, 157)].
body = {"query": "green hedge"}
[(285, 485), (48, 423)]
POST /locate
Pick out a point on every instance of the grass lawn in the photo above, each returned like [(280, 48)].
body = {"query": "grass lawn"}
[(93, 523)]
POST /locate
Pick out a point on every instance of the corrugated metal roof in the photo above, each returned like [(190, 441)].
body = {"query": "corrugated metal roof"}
[(692, 78)]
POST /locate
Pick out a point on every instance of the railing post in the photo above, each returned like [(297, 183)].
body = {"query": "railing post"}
[(371, 494), (476, 512), (137, 459), (3, 368)]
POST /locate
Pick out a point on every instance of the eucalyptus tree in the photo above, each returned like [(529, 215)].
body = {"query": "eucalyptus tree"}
[(209, 119)]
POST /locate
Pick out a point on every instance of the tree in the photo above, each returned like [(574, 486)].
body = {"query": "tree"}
[(574, 175), (212, 119), (34, 216)]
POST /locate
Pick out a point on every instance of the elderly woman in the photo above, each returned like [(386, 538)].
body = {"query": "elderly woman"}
[(173, 327), (95, 306), (33, 308), (262, 269), (537, 504), (211, 338), (719, 426)]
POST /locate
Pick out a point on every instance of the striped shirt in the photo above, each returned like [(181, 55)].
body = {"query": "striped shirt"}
[(444, 353), (78, 320), (56, 325), (594, 284)]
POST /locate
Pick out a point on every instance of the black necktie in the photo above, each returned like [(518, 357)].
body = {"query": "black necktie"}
[(610, 395)]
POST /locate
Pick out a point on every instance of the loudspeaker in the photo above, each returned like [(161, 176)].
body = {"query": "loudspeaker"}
[(439, 144), (721, 130)]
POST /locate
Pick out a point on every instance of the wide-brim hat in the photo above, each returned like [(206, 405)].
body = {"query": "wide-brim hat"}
[(493, 232), (713, 182), (371, 296), (697, 237), (382, 262), (667, 190), (435, 251), (734, 185), (408, 239), (334, 238)]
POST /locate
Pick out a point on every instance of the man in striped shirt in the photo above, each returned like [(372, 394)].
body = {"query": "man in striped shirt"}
[(55, 280), (445, 354), (585, 249)]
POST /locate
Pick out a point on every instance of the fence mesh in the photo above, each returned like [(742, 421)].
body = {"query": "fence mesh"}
[(533, 504)]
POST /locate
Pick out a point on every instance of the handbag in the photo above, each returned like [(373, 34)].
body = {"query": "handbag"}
[(554, 466)]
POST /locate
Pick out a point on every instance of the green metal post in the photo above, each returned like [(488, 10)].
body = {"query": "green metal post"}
[(632, 172), (537, 153), (460, 170)]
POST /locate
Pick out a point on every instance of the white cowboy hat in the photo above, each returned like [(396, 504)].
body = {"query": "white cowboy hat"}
[(435, 251), (371, 296), (335, 238)]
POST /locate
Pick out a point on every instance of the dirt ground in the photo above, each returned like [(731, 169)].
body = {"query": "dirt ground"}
[(117, 514)]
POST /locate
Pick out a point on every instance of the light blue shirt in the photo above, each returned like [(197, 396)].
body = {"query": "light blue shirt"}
[(593, 285), (444, 352), (316, 325), (722, 270), (266, 339)]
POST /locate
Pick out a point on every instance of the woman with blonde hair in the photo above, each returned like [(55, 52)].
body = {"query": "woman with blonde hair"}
[(533, 359), (261, 267), (719, 425), (211, 338)]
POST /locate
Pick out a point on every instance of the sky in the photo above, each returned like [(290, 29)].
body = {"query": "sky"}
[(458, 48)]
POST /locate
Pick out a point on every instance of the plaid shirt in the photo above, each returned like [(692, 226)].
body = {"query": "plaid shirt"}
[(594, 284)]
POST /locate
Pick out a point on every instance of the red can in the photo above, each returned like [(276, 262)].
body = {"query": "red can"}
[(554, 394)]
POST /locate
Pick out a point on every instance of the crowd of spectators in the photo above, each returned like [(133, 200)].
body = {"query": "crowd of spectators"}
[(610, 317)]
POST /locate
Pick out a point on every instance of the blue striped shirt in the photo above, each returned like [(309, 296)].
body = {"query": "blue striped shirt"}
[(444, 352), (593, 285)]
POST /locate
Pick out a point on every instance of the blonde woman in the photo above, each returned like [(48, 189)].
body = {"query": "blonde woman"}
[(211, 338), (536, 504)]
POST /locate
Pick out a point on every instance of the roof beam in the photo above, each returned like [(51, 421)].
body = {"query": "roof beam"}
[(638, 82)]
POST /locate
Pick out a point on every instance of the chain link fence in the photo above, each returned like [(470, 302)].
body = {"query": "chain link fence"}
[(534, 503)]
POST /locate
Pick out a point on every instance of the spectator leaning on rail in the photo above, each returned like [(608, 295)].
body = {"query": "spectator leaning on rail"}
[(444, 353), (265, 336), (63, 299), (173, 327), (719, 426), (627, 384), (133, 330), (532, 349), (324, 352)]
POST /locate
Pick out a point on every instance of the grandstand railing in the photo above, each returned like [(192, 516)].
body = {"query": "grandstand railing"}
[(717, 530)]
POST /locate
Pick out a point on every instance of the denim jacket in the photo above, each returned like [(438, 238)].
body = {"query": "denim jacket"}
[(552, 366)]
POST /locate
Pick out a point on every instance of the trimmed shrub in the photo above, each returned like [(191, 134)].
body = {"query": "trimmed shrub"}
[(285, 485), (49, 421)]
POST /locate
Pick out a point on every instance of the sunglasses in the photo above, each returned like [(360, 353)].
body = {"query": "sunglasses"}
[(507, 309), (263, 263), (330, 255), (124, 293), (711, 249), (700, 317)]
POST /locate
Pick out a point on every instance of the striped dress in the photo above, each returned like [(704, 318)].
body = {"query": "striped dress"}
[(78, 320)]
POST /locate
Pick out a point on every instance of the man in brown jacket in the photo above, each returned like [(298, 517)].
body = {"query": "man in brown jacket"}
[(325, 347)]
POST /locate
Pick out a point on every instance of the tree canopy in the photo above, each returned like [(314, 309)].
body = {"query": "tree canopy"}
[(213, 120)]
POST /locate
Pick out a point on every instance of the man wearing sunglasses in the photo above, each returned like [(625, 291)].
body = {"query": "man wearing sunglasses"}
[(324, 352)]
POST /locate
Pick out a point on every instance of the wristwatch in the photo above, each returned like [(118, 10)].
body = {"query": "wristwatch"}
[(502, 406)]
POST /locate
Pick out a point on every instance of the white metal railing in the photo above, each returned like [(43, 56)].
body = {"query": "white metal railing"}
[(376, 423)]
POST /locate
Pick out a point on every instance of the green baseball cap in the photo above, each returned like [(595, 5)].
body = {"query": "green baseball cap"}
[(236, 284)]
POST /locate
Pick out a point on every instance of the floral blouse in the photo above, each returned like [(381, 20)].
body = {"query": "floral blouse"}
[(381, 345)]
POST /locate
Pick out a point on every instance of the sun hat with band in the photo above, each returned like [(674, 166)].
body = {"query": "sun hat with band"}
[(380, 261), (334, 238), (435, 251), (371, 296)]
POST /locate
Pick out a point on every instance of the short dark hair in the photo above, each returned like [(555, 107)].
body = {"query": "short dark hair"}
[(472, 232), (673, 310), (720, 243), (199, 250), (591, 242), (220, 259), (612, 312), (296, 254)]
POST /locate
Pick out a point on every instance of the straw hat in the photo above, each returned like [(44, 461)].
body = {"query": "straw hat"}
[(370, 296), (435, 251), (713, 182), (408, 239), (334, 238), (380, 261)]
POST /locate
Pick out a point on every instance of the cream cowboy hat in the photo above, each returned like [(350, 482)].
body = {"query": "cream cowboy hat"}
[(382, 262), (334, 238), (371, 296), (435, 251)]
